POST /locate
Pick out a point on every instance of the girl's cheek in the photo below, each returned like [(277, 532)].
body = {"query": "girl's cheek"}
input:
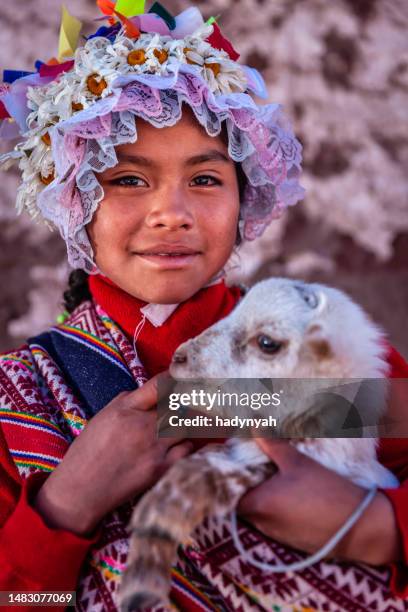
[(122, 206)]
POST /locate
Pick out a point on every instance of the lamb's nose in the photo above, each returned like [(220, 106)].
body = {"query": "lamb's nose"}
[(179, 357)]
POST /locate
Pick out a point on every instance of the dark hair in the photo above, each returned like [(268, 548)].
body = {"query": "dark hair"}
[(77, 291), (242, 183)]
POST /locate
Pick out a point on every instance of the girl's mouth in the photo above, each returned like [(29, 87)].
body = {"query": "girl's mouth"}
[(169, 260)]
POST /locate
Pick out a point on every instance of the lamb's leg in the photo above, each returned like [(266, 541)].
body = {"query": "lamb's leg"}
[(207, 483)]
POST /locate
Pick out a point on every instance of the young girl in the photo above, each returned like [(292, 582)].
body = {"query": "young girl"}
[(151, 196)]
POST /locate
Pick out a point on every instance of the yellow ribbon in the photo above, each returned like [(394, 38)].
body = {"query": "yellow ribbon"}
[(130, 8), (69, 34)]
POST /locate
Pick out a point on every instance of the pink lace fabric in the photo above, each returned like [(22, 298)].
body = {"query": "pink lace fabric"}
[(259, 137)]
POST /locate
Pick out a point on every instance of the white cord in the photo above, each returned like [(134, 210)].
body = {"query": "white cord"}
[(137, 331), (317, 556)]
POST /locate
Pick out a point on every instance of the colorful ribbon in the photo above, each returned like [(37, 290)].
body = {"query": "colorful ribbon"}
[(69, 34), (130, 8)]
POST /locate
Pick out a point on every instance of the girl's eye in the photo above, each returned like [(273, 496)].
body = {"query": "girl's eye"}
[(206, 181), (129, 181)]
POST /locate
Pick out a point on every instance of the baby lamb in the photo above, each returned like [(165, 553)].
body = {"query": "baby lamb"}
[(280, 329)]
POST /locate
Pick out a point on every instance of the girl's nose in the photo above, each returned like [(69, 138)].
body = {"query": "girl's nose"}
[(171, 210)]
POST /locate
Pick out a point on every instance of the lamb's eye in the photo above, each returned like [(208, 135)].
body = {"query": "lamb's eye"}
[(268, 345)]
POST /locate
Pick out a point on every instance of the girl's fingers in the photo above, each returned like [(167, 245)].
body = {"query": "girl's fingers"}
[(179, 452), (284, 454), (167, 443), (148, 395), (144, 397)]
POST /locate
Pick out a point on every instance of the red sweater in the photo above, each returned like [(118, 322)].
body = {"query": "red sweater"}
[(24, 533)]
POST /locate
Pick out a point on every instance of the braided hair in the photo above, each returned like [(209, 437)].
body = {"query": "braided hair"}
[(77, 290)]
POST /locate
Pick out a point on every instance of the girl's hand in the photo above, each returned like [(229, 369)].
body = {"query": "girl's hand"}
[(305, 503), (116, 457)]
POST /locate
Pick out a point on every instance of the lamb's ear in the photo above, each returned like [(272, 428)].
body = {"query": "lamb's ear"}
[(321, 302), (318, 341)]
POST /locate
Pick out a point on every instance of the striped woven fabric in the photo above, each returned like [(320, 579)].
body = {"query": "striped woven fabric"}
[(40, 416), (48, 391)]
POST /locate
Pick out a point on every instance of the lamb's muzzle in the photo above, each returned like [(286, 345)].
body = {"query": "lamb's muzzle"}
[(179, 357)]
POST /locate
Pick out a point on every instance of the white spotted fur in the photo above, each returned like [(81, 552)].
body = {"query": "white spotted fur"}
[(325, 335), (281, 308)]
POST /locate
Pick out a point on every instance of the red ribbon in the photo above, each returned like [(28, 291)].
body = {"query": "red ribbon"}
[(54, 70), (218, 41), (3, 112)]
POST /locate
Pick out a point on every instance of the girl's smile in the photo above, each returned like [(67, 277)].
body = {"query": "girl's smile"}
[(169, 256)]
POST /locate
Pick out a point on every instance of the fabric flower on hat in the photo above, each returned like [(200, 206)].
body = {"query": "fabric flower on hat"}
[(72, 115), (95, 74), (215, 66), (147, 54)]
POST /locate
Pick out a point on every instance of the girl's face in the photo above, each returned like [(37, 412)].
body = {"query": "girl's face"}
[(168, 221)]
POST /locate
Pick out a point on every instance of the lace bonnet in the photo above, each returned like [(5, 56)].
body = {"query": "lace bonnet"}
[(72, 111)]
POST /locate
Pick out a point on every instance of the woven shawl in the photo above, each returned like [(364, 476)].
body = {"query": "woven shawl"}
[(51, 387)]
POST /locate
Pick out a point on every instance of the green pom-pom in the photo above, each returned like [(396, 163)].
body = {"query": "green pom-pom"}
[(62, 317), (212, 20)]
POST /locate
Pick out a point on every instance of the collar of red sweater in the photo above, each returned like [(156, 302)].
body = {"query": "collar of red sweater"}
[(160, 328)]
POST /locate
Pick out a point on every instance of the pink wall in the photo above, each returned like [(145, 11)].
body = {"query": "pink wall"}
[(341, 70)]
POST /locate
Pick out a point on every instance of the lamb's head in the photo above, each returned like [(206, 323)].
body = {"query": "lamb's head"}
[(286, 328)]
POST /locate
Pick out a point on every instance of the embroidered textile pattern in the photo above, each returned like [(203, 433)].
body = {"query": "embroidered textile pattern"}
[(209, 574)]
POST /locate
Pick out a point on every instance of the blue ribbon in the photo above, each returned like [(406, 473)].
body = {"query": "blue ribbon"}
[(9, 76)]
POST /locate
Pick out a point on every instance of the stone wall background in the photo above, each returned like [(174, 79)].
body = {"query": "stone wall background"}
[(340, 68)]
